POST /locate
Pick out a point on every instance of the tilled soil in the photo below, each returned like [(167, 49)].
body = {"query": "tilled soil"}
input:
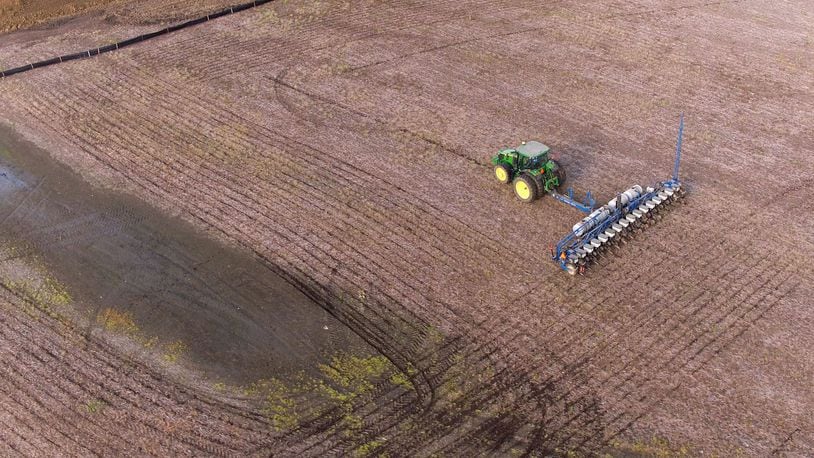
[(346, 146), (46, 29), (16, 14), (51, 379), (24, 14)]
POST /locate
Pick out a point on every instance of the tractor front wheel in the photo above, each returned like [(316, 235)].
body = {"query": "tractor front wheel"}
[(525, 188), (503, 173)]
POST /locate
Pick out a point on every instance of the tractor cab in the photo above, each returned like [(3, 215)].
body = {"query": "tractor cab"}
[(535, 153), (529, 155)]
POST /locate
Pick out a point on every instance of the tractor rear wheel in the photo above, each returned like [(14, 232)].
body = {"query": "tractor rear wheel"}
[(559, 172), (503, 173), (525, 188), (540, 181)]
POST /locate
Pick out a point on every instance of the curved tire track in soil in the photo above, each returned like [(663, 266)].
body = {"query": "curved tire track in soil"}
[(78, 374), (97, 132)]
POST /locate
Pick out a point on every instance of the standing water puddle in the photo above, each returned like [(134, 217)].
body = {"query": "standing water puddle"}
[(236, 319)]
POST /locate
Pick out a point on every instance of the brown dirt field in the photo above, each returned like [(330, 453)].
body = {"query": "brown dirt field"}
[(346, 146), (19, 14), (47, 28)]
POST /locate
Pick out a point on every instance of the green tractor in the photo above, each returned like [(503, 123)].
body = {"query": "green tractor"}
[(529, 169)]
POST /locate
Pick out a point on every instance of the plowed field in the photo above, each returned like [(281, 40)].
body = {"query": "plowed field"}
[(345, 146), (24, 14)]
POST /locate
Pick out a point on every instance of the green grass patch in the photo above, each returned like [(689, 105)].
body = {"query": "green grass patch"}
[(45, 293), (401, 379), (279, 405), (338, 391), (368, 448), (654, 447), (354, 375), (95, 406), (174, 350), (116, 321)]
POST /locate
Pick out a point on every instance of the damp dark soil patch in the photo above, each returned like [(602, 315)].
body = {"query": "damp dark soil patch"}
[(232, 317)]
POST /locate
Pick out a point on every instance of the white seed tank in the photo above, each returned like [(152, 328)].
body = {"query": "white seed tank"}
[(602, 213), (590, 221), (626, 196)]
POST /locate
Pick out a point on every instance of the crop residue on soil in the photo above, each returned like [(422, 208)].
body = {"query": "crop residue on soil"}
[(16, 14), (346, 143)]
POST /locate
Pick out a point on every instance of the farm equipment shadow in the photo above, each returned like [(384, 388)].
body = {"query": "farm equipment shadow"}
[(235, 319)]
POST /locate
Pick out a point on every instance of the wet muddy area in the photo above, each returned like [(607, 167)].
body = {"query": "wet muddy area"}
[(236, 320)]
